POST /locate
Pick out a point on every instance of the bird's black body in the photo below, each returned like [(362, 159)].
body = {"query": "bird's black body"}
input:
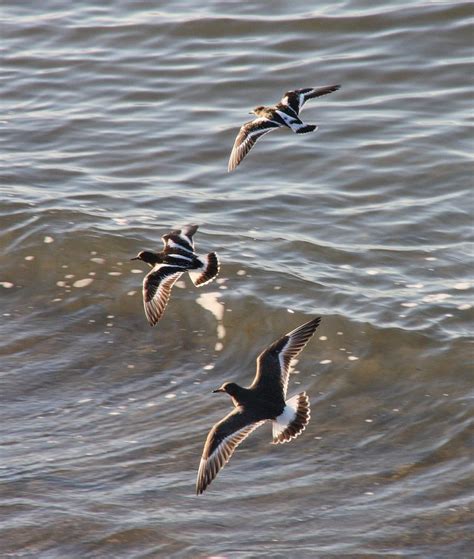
[(174, 257), (261, 403)]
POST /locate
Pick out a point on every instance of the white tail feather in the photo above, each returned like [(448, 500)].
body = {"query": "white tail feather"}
[(282, 421), (194, 275), (293, 420), (208, 271)]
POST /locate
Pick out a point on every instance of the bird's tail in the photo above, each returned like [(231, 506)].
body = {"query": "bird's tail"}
[(306, 128), (293, 420), (208, 271)]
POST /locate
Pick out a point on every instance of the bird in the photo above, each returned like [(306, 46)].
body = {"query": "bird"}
[(264, 400), (177, 257), (284, 113)]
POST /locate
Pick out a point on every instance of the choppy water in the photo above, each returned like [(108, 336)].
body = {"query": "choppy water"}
[(116, 125)]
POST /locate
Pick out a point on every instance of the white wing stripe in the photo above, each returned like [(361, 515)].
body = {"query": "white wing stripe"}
[(287, 118), (172, 244), (172, 255)]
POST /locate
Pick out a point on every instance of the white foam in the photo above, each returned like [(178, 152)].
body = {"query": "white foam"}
[(464, 307), (6, 284), (353, 358), (323, 338), (220, 331), (48, 240), (409, 305), (83, 282), (462, 285), (435, 297), (98, 260), (325, 362), (29, 258), (209, 301)]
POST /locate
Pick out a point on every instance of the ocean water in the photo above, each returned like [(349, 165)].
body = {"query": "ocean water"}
[(116, 123)]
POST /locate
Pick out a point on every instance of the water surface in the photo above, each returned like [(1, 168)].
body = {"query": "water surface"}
[(117, 123)]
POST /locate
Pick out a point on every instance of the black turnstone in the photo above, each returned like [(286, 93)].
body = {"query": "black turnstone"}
[(177, 257), (263, 400), (285, 113)]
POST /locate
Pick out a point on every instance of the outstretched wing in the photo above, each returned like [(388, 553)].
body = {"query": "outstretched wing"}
[(157, 289), (297, 98), (273, 364), (181, 239), (249, 133), (221, 442)]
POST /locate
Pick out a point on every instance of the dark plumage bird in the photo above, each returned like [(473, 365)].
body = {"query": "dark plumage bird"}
[(177, 257), (263, 400), (285, 113)]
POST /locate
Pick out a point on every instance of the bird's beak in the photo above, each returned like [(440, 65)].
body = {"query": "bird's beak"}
[(218, 390), (251, 112), (135, 258)]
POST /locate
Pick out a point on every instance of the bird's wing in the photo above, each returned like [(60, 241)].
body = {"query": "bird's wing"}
[(181, 239), (297, 98), (273, 364), (157, 288), (221, 442), (249, 133)]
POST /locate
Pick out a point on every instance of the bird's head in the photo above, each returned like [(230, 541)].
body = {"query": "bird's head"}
[(229, 388), (257, 111), (146, 256)]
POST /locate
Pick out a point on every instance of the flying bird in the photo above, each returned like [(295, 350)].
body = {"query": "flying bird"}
[(285, 113), (177, 257), (264, 400)]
